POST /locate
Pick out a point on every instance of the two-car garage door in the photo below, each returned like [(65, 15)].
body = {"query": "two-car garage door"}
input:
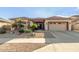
[(57, 26)]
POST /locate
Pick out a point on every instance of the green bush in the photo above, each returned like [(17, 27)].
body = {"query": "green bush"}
[(28, 31), (33, 26), (21, 31), (20, 25)]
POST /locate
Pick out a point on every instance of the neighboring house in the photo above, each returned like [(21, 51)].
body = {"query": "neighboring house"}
[(4, 22), (75, 25), (25, 20)]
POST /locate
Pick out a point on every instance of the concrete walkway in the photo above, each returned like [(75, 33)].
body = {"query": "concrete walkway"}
[(26, 40)]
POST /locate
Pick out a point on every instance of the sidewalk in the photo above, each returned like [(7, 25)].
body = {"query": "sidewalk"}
[(21, 44), (26, 40), (60, 47)]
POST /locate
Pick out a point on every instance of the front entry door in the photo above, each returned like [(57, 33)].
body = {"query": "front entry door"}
[(40, 26)]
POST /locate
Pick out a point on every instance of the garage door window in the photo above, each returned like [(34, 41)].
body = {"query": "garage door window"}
[(59, 23), (54, 23), (50, 22)]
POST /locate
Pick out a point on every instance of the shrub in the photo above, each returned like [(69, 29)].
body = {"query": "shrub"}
[(28, 31), (33, 26), (2, 31), (20, 25), (21, 31)]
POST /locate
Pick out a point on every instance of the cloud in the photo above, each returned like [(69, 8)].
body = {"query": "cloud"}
[(62, 16)]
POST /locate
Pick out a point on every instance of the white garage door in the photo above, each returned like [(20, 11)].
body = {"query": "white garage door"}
[(57, 26)]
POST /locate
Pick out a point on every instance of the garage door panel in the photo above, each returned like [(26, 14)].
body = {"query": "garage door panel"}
[(76, 27), (58, 27)]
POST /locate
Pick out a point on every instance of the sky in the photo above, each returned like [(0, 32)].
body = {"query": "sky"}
[(33, 12)]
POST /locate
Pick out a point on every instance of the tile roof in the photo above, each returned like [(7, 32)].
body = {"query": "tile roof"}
[(57, 18), (4, 20)]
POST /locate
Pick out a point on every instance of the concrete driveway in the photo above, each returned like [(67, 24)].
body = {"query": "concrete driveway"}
[(67, 41), (62, 37)]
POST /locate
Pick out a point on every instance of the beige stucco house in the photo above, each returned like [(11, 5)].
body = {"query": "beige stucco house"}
[(54, 24), (4, 22), (75, 25)]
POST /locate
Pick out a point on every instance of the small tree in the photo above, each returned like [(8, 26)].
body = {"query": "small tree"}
[(33, 26), (14, 25), (18, 25)]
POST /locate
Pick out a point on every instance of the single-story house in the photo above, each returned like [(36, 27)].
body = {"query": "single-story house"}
[(4, 22), (75, 25), (54, 24)]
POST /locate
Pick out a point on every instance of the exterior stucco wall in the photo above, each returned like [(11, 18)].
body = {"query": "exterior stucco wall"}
[(69, 25), (4, 23), (76, 25), (46, 25)]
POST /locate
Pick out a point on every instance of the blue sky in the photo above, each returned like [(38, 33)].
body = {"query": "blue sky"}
[(10, 12)]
